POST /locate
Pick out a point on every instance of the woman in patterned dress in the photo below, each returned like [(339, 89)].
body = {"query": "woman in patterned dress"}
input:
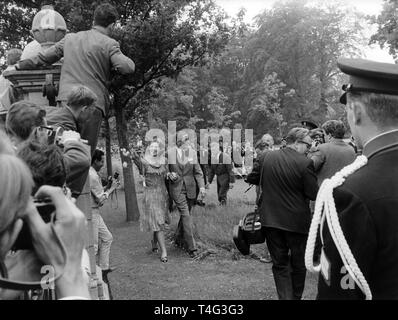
[(155, 215)]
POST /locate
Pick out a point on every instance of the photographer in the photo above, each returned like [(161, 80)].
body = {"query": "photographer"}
[(102, 236), (16, 206), (76, 113), (25, 120)]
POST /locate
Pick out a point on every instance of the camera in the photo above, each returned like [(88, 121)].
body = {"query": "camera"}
[(46, 210), (116, 175), (54, 134)]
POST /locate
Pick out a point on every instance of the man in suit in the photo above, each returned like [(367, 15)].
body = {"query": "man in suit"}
[(335, 154), (187, 175), (288, 182), (367, 201), (221, 166), (89, 56)]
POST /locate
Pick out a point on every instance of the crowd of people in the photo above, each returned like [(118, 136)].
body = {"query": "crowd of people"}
[(47, 154), (51, 152)]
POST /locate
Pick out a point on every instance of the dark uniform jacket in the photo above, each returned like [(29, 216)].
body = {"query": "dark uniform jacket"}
[(367, 205), (89, 57), (288, 182)]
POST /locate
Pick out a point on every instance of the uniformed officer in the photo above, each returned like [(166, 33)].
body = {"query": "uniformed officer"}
[(367, 202)]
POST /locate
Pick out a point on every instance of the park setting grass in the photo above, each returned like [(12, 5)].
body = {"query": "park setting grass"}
[(213, 224)]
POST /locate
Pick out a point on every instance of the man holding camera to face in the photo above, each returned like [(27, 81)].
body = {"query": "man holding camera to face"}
[(58, 244)]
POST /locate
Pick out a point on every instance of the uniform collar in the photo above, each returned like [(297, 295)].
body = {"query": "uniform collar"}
[(382, 142)]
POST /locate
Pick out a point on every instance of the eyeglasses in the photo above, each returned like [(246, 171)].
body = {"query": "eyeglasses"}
[(309, 145), (48, 130), (43, 129)]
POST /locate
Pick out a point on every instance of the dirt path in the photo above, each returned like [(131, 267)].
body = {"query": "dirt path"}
[(141, 276)]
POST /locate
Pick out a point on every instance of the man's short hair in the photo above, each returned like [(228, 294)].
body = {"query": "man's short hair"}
[(296, 134), (335, 128), (105, 14), (13, 56), (382, 109), (97, 156), (81, 96), (23, 117), (46, 163)]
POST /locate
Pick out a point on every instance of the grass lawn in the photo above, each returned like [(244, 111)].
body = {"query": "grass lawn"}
[(223, 275)]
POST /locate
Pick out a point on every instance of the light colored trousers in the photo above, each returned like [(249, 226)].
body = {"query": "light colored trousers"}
[(102, 240)]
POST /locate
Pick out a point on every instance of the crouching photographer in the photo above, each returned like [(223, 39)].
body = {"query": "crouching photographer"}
[(58, 244)]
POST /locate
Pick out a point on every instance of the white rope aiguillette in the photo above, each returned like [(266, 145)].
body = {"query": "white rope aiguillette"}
[(325, 208)]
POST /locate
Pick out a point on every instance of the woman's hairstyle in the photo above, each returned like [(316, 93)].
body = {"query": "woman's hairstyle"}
[(81, 96), (15, 189), (296, 134), (46, 163)]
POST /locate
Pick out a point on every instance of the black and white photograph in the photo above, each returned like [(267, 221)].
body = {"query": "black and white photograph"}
[(193, 152)]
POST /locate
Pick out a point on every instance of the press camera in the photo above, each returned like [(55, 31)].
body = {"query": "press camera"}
[(46, 210)]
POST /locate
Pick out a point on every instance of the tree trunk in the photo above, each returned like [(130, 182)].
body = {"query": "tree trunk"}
[(132, 209), (107, 131)]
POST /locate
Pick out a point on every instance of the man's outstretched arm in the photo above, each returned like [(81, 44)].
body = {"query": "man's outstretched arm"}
[(45, 58)]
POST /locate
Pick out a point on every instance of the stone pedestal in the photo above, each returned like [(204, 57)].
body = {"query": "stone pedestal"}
[(37, 86)]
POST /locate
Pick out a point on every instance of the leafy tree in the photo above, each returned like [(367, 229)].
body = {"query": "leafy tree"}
[(162, 37), (301, 42), (387, 21), (265, 105)]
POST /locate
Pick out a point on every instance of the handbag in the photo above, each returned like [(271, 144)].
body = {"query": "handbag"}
[(248, 232)]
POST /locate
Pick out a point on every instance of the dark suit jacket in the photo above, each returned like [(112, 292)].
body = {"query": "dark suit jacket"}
[(288, 182), (77, 161), (367, 207), (189, 174), (89, 57), (222, 169), (332, 157)]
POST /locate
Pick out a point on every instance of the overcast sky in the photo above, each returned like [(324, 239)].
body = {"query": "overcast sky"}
[(254, 7)]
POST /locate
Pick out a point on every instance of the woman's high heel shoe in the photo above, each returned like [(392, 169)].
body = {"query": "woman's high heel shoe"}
[(164, 259)]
